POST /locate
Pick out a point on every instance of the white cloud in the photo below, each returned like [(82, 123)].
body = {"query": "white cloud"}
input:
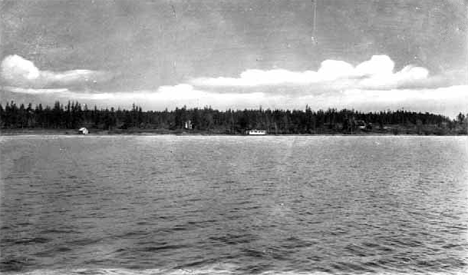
[(378, 65), (446, 100), (333, 75), (14, 66), (20, 72), (333, 69), (35, 91), (370, 86), (171, 97), (252, 78)]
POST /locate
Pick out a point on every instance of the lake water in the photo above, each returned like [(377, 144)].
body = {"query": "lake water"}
[(233, 205)]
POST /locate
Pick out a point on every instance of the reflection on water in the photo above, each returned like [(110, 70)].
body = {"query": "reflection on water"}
[(233, 205)]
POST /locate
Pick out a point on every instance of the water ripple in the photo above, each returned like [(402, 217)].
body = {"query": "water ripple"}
[(234, 205)]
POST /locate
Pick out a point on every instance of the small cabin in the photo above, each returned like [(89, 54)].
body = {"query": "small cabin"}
[(255, 132), (188, 125), (361, 124), (83, 131)]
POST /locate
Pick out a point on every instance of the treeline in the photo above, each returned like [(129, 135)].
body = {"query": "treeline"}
[(74, 115)]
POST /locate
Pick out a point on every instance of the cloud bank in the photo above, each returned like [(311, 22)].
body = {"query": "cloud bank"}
[(372, 85), (22, 73), (378, 73), (447, 100)]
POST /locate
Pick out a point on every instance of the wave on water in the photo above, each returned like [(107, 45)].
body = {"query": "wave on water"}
[(229, 205), (208, 270)]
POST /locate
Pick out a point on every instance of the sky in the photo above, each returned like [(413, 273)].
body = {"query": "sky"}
[(368, 55)]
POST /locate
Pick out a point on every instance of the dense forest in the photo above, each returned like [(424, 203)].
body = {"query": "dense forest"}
[(74, 115)]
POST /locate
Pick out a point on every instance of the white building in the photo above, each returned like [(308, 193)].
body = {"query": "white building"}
[(188, 125), (255, 132), (83, 131)]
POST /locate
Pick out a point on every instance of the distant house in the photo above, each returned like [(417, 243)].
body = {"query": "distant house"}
[(255, 132), (361, 124), (83, 131), (188, 125)]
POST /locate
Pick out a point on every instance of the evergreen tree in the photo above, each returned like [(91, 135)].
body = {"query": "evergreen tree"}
[(74, 115)]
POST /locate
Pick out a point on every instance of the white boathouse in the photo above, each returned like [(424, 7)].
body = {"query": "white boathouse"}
[(255, 132)]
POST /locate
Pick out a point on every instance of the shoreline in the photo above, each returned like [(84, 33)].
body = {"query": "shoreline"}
[(68, 132)]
